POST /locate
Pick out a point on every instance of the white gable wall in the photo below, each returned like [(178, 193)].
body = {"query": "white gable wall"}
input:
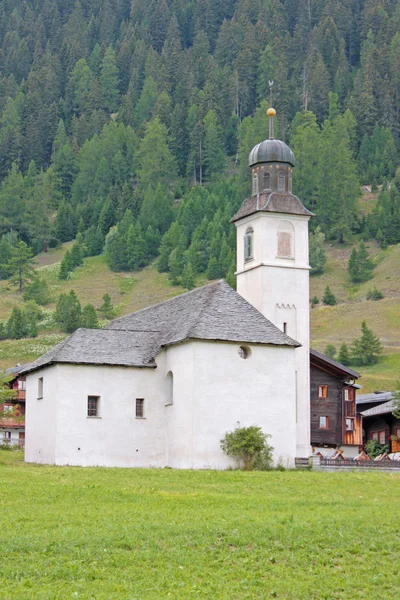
[(41, 417), (231, 391)]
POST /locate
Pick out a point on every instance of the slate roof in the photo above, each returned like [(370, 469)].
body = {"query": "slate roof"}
[(382, 409), (212, 312), (101, 347), (319, 357), (279, 202), (374, 397)]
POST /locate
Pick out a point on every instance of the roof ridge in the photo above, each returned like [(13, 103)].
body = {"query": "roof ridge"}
[(163, 302)]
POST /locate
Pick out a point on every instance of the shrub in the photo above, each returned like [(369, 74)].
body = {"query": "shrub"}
[(374, 294), (314, 301), (373, 448), (247, 445), (38, 291)]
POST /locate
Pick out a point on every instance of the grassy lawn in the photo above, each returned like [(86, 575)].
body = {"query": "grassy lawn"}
[(153, 534)]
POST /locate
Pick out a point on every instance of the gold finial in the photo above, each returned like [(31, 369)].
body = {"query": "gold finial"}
[(271, 112)]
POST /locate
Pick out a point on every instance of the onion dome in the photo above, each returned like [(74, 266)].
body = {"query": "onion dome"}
[(271, 150)]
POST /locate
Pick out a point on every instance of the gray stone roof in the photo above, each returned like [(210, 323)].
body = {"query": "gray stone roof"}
[(374, 397), (101, 347), (271, 151), (382, 409), (278, 202), (212, 312)]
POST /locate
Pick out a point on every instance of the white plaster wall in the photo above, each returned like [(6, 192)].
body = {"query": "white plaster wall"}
[(116, 437), (41, 417), (230, 391), (179, 415), (269, 283)]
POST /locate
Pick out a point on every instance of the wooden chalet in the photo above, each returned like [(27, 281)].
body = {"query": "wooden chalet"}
[(335, 421), (380, 424), (12, 427)]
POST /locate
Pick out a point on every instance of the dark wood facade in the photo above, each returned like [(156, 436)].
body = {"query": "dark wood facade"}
[(334, 418)]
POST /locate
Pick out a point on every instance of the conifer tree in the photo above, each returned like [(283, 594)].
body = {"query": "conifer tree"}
[(20, 265), (89, 317), (107, 309), (188, 280), (109, 82), (365, 350), (360, 265), (329, 297), (344, 355)]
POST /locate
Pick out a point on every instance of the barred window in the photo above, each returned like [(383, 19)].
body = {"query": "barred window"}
[(93, 406)]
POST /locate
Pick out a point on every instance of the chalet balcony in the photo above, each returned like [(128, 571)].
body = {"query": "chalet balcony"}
[(12, 423), (20, 395)]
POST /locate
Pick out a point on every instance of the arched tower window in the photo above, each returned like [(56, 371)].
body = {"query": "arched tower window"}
[(285, 239), (170, 389), (290, 182), (266, 181), (248, 243), (255, 183), (281, 181)]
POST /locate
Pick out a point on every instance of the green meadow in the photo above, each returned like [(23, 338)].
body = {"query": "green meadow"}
[(157, 534)]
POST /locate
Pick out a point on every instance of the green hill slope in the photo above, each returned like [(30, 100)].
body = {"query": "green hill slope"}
[(329, 324)]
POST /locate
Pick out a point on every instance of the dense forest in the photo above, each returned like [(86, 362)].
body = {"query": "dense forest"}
[(127, 124)]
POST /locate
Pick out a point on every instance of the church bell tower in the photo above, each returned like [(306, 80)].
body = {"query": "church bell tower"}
[(272, 259)]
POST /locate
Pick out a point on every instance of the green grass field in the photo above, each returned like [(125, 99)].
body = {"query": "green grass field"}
[(152, 534)]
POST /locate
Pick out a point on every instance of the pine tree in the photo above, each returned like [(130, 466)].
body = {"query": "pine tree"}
[(188, 280), (329, 297), (109, 82), (360, 265), (20, 266), (68, 313), (365, 350), (344, 355), (66, 266), (107, 309), (89, 317), (214, 157), (317, 252)]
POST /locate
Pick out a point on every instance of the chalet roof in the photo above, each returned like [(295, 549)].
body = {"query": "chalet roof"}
[(319, 359), (212, 312), (374, 397), (382, 409), (276, 202)]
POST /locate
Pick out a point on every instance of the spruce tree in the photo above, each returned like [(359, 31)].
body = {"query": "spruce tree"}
[(188, 280), (107, 309), (344, 355), (329, 297), (109, 82), (365, 350), (89, 317), (20, 266)]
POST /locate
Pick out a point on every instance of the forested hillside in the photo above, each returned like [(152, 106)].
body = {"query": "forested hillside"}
[(126, 125)]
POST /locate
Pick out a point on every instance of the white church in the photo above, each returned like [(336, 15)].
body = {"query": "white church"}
[(161, 387)]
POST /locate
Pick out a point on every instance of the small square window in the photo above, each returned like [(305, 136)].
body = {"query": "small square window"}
[(7, 436), (322, 391), (349, 424), (323, 422), (93, 406), (140, 408), (40, 387)]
